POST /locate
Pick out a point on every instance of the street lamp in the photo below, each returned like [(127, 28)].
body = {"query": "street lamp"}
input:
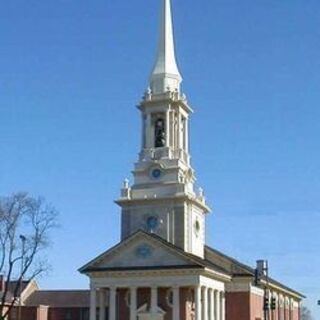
[(23, 244)]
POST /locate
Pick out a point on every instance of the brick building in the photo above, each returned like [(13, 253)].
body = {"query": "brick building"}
[(39, 304)]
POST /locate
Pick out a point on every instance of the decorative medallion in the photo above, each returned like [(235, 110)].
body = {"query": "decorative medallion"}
[(144, 251)]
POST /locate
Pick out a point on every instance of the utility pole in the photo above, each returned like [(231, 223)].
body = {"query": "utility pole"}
[(23, 242)]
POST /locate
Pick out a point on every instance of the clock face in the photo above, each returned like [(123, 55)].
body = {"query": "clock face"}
[(156, 173), (152, 223), (197, 227)]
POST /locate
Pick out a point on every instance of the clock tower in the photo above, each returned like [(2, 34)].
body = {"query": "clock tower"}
[(162, 199), (162, 269)]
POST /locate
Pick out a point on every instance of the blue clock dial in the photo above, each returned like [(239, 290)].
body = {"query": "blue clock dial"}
[(152, 223), (156, 173)]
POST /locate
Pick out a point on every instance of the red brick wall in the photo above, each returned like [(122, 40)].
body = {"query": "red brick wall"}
[(281, 313), (64, 313), (287, 313), (274, 314), (296, 314), (143, 296), (123, 309), (186, 304), (27, 313), (256, 307), (237, 306)]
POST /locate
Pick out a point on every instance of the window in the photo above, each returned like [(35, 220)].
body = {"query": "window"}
[(84, 314), (127, 298), (159, 133), (169, 297)]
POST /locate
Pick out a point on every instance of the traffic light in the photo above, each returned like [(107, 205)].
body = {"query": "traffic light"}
[(266, 304), (273, 303)]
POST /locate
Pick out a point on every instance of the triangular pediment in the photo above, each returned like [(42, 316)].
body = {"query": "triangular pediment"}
[(141, 250)]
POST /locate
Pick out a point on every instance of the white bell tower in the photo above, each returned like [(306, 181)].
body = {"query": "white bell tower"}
[(162, 199)]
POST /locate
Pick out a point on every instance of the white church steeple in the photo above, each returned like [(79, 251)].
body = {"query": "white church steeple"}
[(162, 198), (165, 74)]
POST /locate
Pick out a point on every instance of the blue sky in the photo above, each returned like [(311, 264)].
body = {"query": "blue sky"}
[(72, 73)]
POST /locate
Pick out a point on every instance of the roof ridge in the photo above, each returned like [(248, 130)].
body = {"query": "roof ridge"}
[(241, 264), (252, 270)]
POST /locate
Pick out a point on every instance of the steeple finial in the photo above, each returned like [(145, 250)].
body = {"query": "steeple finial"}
[(166, 73)]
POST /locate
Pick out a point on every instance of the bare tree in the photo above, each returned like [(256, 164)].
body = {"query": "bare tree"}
[(25, 225), (306, 314)]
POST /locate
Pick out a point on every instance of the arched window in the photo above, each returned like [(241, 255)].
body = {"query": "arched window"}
[(159, 133)]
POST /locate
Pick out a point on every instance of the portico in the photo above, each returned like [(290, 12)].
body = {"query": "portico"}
[(205, 298)]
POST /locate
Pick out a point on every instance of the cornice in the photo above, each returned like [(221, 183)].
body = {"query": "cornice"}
[(183, 197)]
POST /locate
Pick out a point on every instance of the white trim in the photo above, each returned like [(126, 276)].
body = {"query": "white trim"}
[(212, 283), (257, 291)]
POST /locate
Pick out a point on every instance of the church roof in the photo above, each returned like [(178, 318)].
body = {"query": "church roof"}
[(239, 269), (59, 298)]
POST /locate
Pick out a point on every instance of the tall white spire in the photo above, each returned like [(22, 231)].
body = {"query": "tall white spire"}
[(165, 74)]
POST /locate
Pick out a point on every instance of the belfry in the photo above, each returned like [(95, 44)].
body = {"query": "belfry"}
[(162, 269)]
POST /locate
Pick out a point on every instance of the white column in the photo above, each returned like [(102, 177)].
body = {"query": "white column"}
[(102, 304), (205, 303), (222, 305), (133, 303), (198, 300), (154, 299), (211, 303), (112, 303), (93, 303), (217, 305), (171, 126), (176, 303), (175, 130)]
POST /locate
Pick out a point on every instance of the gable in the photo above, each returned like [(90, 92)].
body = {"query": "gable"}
[(142, 251)]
